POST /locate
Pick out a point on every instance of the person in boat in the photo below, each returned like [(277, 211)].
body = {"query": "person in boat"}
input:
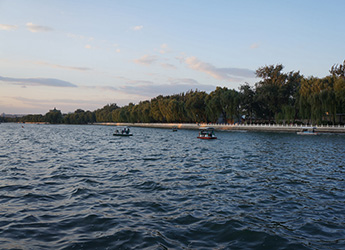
[(125, 131)]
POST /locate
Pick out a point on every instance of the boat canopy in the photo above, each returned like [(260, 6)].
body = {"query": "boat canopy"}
[(206, 128), (308, 128)]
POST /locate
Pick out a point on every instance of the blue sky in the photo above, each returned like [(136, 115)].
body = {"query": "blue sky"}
[(86, 54)]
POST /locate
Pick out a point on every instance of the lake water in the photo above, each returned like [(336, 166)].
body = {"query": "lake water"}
[(80, 187)]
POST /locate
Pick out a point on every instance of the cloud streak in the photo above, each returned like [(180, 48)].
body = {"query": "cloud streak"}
[(57, 66), (8, 27), (38, 28), (228, 74), (51, 82), (146, 60)]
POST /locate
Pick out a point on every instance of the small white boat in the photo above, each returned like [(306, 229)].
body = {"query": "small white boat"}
[(123, 132), (307, 131), (207, 133)]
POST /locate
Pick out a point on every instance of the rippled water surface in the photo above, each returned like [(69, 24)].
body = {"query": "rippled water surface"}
[(79, 187)]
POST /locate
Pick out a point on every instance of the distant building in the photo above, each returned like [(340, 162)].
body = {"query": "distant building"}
[(55, 110)]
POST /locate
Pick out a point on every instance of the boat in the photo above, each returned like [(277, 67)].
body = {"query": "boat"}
[(207, 133), (307, 131), (123, 132), (174, 129)]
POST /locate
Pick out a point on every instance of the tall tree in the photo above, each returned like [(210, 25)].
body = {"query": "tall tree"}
[(54, 116), (230, 103), (214, 108), (155, 112), (196, 106), (105, 114), (338, 70), (273, 91), (247, 101)]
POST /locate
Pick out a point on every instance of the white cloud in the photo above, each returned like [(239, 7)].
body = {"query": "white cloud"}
[(139, 27), (228, 74), (37, 82), (38, 28), (146, 60), (8, 27), (87, 46)]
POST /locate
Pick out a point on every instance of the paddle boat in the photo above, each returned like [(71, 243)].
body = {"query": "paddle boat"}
[(307, 131), (123, 132), (207, 133)]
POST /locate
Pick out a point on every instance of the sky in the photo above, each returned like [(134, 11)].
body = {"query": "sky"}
[(83, 54)]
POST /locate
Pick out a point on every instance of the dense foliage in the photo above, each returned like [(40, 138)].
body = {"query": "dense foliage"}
[(278, 97)]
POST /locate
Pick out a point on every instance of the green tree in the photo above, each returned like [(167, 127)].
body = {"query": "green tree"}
[(277, 93), (213, 105), (53, 116), (247, 101), (338, 70), (268, 90), (144, 112), (105, 114), (196, 106), (155, 111), (32, 118), (339, 90), (230, 101)]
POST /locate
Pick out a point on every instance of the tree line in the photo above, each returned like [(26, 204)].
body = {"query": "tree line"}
[(277, 98)]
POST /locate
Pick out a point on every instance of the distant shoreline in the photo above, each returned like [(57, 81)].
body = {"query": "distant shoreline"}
[(233, 127)]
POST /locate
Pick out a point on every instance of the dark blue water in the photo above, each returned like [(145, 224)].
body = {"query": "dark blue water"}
[(79, 187)]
